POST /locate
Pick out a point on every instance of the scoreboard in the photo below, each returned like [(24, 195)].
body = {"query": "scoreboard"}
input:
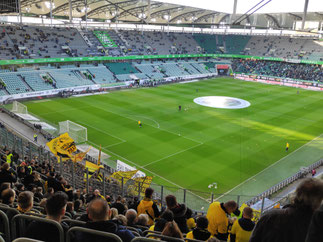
[(9, 6)]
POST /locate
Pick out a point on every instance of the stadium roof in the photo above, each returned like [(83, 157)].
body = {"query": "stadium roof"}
[(166, 11)]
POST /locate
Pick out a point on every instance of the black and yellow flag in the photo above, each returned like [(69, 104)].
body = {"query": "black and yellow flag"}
[(62, 146)]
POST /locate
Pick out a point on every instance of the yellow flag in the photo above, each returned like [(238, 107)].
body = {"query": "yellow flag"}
[(80, 156), (142, 183), (92, 168), (62, 146), (125, 175)]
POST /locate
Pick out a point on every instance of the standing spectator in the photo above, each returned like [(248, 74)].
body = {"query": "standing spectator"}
[(9, 157), (313, 172), (217, 216), (35, 137), (147, 206), (55, 208), (180, 211), (200, 232), (6, 175), (242, 228), (291, 223)]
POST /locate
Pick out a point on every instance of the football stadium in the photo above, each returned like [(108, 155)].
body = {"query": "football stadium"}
[(169, 120)]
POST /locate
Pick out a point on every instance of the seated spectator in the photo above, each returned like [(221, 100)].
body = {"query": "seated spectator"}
[(6, 175), (200, 232), (291, 223), (99, 213), (242, 228), (70, 209), (217, 216), (172, 230), (4, 186), (122, 220), (25, 201), (8, 197), (165, 217), (147, 206), (180, 211), (114, 213), (55, 208), (39, 193), (131, 216), (49, 193), (119, 205), (96, 194), (143, 220)]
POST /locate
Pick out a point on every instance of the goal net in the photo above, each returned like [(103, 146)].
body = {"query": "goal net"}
[(77, 132), (17, 107)]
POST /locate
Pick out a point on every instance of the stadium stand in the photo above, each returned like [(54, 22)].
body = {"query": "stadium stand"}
[(279, 69)]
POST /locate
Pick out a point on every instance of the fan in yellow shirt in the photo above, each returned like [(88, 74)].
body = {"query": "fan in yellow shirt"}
[(242, 228)]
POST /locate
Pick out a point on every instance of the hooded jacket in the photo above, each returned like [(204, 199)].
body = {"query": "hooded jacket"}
[(181, 213), (241, 230), (109, 226), (199, 234)]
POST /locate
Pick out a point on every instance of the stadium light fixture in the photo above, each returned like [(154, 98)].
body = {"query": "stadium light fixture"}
[(47, 4), (166, 17), (153, 20), (179, 21)]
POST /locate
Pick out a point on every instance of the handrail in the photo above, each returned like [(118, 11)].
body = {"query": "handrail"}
[(33, 218), (107, 235)]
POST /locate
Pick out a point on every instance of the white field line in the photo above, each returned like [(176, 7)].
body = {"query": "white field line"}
[(114, 144), (153, 162), (143, 168), (196, 141), (224, 194), (107, 133), (158, 126)]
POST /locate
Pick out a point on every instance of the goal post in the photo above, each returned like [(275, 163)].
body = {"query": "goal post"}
[(18, 107), (77, 132)]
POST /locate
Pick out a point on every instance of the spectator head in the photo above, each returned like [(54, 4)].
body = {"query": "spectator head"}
[(171, 201), (20, 187), (119, 198), (202, 222), (77, 205), (56, 206), (149, 192), (4, 186), (168, 215), (25, 201), (50, 190), (230, 206), (142, 219), (5, 166), (247, 213), (96, 192), (114, 213), (121, 219), (309, 194), (69, 207), (98, 210), (131, 216), (8, 196), (172, 230), (39, 190)]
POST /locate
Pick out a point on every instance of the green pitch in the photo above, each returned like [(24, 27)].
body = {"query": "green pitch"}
[(200, 145)]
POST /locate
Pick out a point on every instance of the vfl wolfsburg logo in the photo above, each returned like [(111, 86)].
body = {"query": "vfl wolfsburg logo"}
[(222, 102)]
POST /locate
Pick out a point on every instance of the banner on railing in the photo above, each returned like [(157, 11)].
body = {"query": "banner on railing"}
[(143, 57)]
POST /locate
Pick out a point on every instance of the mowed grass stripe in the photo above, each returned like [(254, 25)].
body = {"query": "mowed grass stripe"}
[(235, 144)]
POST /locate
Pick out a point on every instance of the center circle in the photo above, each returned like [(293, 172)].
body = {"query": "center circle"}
[(222, 102)]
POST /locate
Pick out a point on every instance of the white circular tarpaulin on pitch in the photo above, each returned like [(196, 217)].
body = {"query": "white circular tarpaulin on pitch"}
[(222, 102)]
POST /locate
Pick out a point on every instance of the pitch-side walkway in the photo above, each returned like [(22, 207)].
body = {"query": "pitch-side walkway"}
[(22, 129)]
